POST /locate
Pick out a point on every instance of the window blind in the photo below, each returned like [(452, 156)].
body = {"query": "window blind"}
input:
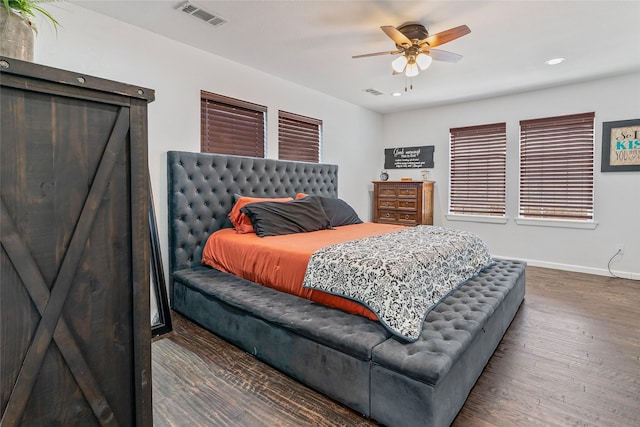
[(231, 126), (556, 167), (298, 137), (477, 170)]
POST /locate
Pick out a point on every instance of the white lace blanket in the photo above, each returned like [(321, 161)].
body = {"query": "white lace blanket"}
[(401, 275)]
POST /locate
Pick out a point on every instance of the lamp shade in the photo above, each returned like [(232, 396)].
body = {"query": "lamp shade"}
[(423, 60), (412, 69), (399, 63)]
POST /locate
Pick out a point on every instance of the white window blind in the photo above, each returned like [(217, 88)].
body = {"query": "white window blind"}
[(298, 137), (477, 171), (231, 126), (556, 167)]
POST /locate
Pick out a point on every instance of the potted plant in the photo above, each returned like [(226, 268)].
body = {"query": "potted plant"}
[(17, 27)]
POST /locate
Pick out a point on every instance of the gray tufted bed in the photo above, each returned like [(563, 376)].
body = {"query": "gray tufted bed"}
[(349, 358)]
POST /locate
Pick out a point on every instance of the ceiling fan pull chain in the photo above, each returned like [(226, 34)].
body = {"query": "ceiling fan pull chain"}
[(410, 83)]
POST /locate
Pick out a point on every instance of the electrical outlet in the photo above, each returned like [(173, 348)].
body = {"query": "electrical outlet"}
[(620, 249)]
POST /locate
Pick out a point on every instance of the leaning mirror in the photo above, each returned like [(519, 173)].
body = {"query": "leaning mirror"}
[(160, 312)]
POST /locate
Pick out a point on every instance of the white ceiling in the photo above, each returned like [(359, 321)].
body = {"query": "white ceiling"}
[(311, 43)]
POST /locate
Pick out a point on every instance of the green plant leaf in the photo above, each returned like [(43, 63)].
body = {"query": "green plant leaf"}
[(27, 9)]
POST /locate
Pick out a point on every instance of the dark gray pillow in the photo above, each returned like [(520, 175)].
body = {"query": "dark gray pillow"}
[(338, 211), (296, 216)]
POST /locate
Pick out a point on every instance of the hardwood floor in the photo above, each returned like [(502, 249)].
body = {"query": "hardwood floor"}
[(570, 357)]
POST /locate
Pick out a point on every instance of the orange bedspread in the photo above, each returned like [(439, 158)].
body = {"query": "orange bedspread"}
[(280, 262)]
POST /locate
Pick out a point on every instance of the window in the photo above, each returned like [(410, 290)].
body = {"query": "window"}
[(477, 172), (556, 167), (231, 126), (298, 137)]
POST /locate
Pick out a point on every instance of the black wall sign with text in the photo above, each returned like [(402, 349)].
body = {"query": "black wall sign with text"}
[(409, 157)]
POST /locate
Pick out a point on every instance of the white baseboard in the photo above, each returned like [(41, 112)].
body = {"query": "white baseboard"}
[(576, 268)]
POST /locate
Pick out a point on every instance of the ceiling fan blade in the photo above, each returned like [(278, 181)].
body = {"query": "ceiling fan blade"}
[(446, 36), (388, 52), (395, 35), (443, 55)]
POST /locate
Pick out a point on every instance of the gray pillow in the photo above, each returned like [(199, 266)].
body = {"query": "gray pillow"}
[(338, 211), (296, 216)]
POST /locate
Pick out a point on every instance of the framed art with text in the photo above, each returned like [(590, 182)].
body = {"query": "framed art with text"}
[(409, 157), (621, 146)]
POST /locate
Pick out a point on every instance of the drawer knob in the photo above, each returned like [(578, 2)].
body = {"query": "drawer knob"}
[(387, 215), (406, 217)]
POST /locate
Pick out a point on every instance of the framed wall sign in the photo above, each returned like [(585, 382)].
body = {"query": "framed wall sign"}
[(409, 157), (621, 146)]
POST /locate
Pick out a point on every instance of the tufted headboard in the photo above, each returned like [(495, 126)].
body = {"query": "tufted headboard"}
[(202, 188)]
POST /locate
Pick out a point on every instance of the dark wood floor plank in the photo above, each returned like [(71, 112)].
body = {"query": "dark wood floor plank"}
[(570, 357), (252, 393)]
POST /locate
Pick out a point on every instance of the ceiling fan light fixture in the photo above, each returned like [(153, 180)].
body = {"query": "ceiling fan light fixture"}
[(399, 63), (412, 69), (424, 61)]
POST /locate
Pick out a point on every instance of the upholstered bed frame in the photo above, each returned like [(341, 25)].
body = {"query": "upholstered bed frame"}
[(347, 357)]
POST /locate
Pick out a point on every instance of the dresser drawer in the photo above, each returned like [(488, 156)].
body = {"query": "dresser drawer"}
[(384, 203), (388, 191), (399, 204), (407, 204), (398, 190), (411, 192), (395, 217)]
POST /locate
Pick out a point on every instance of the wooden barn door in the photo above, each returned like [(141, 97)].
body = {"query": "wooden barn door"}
[(74, 285)]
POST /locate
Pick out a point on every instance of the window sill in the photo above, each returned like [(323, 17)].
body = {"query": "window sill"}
[(585, 225), (478, 218)]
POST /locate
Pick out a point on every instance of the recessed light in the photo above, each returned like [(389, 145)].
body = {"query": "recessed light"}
[(396, 94), (554, 61)]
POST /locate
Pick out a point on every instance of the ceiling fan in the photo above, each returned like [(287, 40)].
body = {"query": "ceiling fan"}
[(415, 46)]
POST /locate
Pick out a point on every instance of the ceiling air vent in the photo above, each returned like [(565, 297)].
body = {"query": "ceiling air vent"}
[(202, 14), (373, 91)]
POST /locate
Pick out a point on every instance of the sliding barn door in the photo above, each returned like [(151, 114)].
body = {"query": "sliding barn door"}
[(74, 264)]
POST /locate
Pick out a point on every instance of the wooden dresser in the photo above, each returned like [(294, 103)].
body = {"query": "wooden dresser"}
[(403, 202), (75, 330)]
